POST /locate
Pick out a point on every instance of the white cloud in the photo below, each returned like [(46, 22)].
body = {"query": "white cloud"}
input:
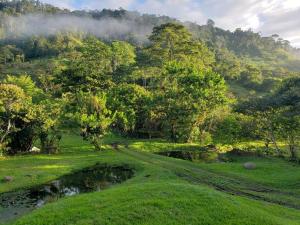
[(266, 16)]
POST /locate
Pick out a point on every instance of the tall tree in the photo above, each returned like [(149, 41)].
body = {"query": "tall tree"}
[(89, 71), (186, 97), (129, 103), (123, 54), (173, 42), (93, 117)]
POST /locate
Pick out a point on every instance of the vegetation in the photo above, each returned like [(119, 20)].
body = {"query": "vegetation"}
[(232, 96)]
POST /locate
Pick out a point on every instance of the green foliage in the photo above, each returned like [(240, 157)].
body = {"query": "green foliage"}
[(10, 53), (129, 103), (234, 128), (26, 83), (185, 99), (228, 132), (24, 120), (277, 115), (26, 6), (227, 64), (168, 88), (172, 87), (173, 42), (288, 95), (89, 70), (123, 54), (50, 116), (251, 77), (169, 42), (93, 117), (16, 114)]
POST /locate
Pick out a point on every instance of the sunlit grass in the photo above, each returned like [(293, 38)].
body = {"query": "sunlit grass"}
[(156, 195)]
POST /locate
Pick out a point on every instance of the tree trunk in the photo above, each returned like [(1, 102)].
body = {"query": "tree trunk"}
[(275, 143), (9, 126), (292, 148), (173, 133)]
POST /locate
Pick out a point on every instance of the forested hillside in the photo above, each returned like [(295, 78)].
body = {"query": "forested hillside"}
[(137, 75), (32, 30)]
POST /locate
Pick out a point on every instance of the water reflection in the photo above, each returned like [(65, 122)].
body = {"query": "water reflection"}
[(96, 178)]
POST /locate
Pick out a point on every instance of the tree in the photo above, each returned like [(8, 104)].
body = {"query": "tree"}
[(10, 53), (49, 114), (186, 97), (210, 22), (265, 118), (173, 42), (288, 95), (287, 101), (227, 64), (89, 71), (13, 103), (129, 103), (93, 117), (290, 131), (123, 60), (229, 130), (169, 42), (251, 77), (123, 54), (278, 115), (26, 83), (22, 120), (14, 113)]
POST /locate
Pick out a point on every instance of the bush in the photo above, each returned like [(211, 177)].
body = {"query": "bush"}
[(228, 131), (234, 128)]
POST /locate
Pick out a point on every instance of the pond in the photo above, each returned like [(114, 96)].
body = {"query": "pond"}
[(96, 178)]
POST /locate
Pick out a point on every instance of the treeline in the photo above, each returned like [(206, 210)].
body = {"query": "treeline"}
[(168, 89), (265, 53), (233, 69), (243, 58), (18, 7), (176, 85)]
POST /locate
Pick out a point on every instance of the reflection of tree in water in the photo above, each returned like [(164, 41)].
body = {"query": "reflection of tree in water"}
[(99, 177)]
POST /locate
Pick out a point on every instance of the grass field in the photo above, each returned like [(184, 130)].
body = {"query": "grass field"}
[(163, 190)]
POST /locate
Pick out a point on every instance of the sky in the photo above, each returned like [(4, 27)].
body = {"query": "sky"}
[(265, 16)]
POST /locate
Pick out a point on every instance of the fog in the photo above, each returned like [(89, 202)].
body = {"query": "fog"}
[(30, 25)]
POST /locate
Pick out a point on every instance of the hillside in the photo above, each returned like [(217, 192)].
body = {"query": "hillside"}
[(30, 30)]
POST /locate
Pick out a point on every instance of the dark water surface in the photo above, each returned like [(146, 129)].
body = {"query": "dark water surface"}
[(194, 156), (96, 178)]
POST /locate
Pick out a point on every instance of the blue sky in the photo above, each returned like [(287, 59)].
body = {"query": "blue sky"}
[(265, 16)]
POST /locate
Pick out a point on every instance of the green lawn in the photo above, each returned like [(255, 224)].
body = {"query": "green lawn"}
[(163, 190), (270, 171)]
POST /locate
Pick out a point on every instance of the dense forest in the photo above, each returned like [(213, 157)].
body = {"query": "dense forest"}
[(181, 81)]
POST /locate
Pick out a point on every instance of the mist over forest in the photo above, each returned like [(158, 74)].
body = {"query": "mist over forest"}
[(184, 123)]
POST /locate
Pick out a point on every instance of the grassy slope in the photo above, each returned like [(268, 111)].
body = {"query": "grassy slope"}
[(271, 171), (161, 198)]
